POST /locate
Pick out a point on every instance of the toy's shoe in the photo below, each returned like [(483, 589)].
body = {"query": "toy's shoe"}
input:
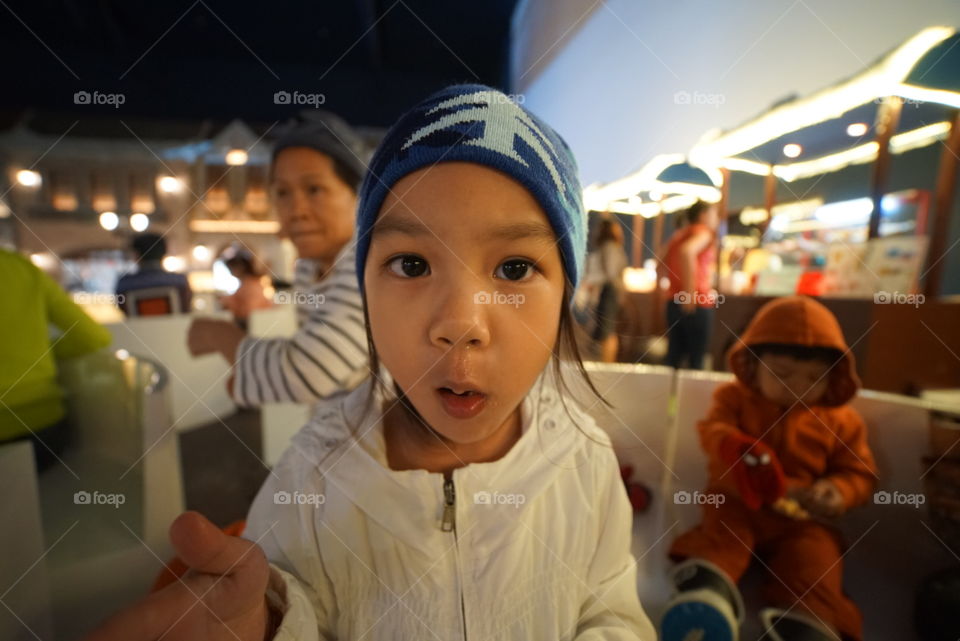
[(779, 625), (706, 605)]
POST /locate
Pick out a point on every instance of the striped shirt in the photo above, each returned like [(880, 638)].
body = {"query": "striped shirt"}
[(328, 353)]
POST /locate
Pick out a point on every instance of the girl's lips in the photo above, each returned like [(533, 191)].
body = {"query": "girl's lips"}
[(465, 405)]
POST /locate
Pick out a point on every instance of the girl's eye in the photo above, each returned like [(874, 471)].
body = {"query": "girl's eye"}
[(313, 190), (408, 266), (515, 269), (281, 193)]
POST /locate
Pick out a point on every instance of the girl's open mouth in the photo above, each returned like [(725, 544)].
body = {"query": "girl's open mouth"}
[(465, 404)]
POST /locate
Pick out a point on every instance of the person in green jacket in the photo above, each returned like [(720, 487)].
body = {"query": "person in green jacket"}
[(31, 401)]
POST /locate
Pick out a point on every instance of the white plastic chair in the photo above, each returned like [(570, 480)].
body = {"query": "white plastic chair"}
[(639, 426), (694, 397), (152, 301), (24, 583), (109, 549), (197, 385), (891, 547)]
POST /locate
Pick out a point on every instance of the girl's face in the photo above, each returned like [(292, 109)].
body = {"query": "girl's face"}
[(464, 288), (315, 207)]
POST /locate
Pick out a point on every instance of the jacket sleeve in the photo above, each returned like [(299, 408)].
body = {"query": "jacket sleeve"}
[(299, 585), (722, 420), (327, 355), (851, 466), (612, 610), (80, 333)]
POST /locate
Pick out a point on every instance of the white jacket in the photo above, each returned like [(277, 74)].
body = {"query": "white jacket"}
[(539, 546)]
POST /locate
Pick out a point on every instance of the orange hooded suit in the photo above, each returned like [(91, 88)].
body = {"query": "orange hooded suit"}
[(823, 441)]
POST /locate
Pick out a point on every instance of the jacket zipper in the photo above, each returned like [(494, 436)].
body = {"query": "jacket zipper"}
[(449, 506), (449, 524)]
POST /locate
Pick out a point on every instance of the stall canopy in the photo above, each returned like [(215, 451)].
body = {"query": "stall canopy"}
[(667, 183), (837, 126)]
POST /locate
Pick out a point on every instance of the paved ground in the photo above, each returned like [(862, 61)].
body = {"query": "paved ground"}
[(222, 470)]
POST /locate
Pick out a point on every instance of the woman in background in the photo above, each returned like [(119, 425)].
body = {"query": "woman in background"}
[(611, 258), (315, 172), (689, 265)]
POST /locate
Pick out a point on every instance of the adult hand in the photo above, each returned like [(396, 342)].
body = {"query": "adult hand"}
[(209, 335), (222, 598)]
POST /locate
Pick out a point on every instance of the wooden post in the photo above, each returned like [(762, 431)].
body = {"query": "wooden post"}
[(658, 321), (658, 233), (887, 120), (639, 227), (723, 216), (942, 209), (724, 193), (769, 199)]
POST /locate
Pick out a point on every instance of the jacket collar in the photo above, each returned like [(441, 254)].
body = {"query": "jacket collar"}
[(344, 439)]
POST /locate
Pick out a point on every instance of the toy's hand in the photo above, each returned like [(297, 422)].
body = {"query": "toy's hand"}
[(223, 598), (822, 498), (755, 469)]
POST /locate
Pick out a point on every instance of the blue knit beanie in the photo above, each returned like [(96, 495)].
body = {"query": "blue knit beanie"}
[(329, 134), (478, 124)]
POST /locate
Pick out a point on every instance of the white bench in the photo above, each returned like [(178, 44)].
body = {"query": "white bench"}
[(895, 548)]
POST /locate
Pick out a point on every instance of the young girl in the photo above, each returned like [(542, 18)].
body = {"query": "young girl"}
[(454, 494)]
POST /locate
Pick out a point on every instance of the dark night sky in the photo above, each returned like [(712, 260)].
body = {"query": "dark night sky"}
[(192, 60)]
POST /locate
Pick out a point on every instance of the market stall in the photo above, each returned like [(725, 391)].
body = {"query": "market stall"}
[(846, 194), (647, 203)]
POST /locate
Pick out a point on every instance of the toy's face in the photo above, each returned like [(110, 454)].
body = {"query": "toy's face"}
[(787, 381)]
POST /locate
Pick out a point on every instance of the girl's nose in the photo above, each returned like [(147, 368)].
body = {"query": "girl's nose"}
[(460, 320)]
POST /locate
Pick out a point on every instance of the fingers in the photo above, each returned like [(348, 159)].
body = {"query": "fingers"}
[(239, 569), (151, 617), (225, 589), (205, 548), (179, 612), (200, 336), (195, 338), (197, 542)]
